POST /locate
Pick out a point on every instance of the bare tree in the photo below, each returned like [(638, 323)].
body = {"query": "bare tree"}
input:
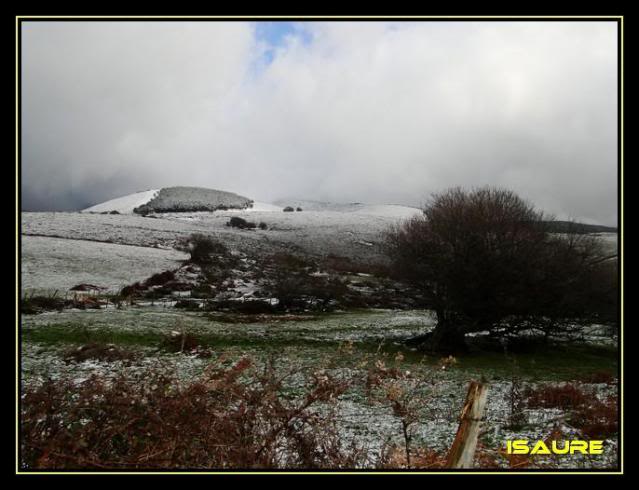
[(484, 258)]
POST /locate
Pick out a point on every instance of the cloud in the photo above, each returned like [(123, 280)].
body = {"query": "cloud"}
[(366, 111)]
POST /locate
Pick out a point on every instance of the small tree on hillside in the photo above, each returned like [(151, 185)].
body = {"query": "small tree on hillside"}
[(485, 261)]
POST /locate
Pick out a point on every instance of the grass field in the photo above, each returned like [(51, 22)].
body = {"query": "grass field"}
[(346, 343)]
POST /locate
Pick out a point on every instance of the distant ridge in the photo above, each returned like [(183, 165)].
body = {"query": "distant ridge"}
[(570, 226)]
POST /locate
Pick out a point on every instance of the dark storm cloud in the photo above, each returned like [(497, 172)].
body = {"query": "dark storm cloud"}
[(373, 112)]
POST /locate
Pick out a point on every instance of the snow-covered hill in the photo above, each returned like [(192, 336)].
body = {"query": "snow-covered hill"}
[(354, 231), (173, 199), (192, 199), (125, 204)]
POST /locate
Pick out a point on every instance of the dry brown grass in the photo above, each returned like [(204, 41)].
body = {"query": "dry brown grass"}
[(233, 417), (566, 396), (99, 351)]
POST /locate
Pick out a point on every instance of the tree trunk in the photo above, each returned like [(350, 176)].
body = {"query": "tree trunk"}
[(448, 336)]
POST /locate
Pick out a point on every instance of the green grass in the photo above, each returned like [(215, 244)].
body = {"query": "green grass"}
[(543, 363), (79, 334)]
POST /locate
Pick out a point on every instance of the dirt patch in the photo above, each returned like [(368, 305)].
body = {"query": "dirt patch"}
[(98, 351)]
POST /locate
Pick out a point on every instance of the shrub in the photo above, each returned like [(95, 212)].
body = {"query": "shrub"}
[(296, 289), (566, 396), (220, 421), (30, 305), (187, 304), (288, 209), (298, 209), (598, 419), (143, 210), (202, 247), (160, 278), (262, 225), (342, 264), (134, 289), (241, 223)]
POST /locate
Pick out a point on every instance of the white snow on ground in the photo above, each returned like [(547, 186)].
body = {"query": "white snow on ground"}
[(609, 241), (125, 204), (316, 232), (381, 210), (263, 206), (59, 264), (389, 210), (357, 234)]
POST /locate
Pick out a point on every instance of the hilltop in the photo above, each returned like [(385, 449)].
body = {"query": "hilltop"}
[(173, 199)]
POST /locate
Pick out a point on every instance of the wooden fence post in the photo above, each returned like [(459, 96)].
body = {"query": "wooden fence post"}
[(462, 451)]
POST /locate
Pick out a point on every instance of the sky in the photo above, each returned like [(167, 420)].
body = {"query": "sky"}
[(379, 112)]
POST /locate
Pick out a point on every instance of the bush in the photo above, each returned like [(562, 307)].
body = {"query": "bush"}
[(30, 305), (202, 247), (291, 282), (160, 278), (597, 420), (187, 304), (342, 264), (298, 209), (235, 418), (567, 396), (131, 290), (143, 210), (262, 225), (241, 223), (288, 209)]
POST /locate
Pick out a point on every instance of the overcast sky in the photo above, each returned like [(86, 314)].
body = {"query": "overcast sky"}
[(341, 111)]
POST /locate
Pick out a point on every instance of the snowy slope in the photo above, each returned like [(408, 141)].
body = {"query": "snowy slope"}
[(389, 210), (125, 204), (173, 199), (176, 197), (264, 207), (385, 210), (50, 263)]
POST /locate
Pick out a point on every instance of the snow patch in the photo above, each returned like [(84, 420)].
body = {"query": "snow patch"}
[(124, 204)]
